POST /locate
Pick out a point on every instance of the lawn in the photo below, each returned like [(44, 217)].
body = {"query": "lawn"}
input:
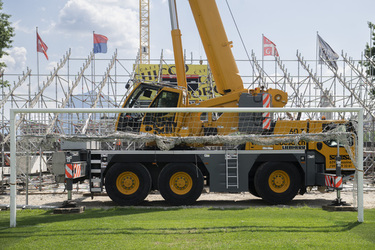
[(131, 228)]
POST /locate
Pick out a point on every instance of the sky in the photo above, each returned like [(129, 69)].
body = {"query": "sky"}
[(291, 24)]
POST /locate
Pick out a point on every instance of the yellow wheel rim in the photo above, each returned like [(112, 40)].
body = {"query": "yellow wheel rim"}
[(181, 183), (127, 183), (279, 181)]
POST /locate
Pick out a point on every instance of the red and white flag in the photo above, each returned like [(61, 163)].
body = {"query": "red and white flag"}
[(41, 46), (269, 48)]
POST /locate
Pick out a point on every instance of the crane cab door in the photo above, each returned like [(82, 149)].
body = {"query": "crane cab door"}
[(163, 123), (141, 96)]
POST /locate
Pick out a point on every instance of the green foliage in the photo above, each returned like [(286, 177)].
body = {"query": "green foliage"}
[(370, 54), (189, 228), (6, 34)]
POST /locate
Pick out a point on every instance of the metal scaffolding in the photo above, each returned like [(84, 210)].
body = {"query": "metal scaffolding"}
[(308, 84)]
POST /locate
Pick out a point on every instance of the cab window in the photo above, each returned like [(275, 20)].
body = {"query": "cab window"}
[(165, 100), (162, 123)]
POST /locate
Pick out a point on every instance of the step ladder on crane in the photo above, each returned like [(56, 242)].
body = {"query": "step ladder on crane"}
[(231, 168)]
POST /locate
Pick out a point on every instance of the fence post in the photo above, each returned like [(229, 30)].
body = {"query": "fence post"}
[(360, 167), (13, 172)]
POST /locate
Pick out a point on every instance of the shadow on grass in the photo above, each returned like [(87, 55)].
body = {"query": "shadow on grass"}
[(173, 230), (247, 203)]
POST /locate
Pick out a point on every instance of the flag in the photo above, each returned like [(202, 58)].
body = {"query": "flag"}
[(269, 48), (41, 46), (327, 54), (100, 43)]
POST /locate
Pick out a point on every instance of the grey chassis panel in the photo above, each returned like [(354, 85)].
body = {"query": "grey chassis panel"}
[(215, 164)]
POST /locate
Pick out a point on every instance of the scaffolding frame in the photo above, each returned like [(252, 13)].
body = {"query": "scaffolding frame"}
[(307, 87)]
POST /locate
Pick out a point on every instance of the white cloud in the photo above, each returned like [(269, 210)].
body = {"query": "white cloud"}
[(116, 19), (16, 60), (18, 27)]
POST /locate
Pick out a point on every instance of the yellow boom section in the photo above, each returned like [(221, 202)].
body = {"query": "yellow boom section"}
[(216, 45), (177, 49)]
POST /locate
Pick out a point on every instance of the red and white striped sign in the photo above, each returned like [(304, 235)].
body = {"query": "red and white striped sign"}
[(266, 116), (77, 170), (69, 171), (72, 170), (333, 181)]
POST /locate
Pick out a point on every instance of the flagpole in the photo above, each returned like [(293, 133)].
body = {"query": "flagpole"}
[(93, 71), (316, 52), (39, 106), (316, 61), (93, 80), (262, 52), (321, 72), (37, 61)]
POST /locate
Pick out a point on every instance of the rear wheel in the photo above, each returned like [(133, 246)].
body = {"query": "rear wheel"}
[(180, 183), (277, 183), (128, 184)]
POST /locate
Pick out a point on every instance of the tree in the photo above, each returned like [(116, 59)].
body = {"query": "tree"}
[(370, 56), (6, 34)]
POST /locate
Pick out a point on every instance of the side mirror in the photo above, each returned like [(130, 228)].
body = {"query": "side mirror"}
[(127, 86)]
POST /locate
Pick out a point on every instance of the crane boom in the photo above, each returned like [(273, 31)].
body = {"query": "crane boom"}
[(216, 45), (177, 48)]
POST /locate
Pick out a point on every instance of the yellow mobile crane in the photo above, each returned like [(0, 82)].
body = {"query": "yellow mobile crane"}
[(224, 70), (275, 174)]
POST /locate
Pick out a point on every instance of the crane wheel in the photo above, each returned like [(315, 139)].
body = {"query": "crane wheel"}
[(252, 189), (277, 182), (180, 183), (128, 184)]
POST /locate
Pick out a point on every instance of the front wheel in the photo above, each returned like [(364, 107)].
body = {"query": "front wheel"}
[(128, 184), (277, 183), (180, 183)]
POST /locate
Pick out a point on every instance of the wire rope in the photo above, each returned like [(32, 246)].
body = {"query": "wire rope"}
[(239, 33)]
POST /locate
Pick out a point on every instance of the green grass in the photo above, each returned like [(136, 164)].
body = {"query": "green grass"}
[(131, 228)]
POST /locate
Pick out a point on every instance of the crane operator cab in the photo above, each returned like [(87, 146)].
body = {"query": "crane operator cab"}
[(152, 96)]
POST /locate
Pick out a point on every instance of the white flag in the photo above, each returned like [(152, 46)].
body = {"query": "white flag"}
[(327, 54)]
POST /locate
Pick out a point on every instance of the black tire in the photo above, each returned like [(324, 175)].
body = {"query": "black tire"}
[(277, 183), (252, 187), (180, 183), (128, 184)]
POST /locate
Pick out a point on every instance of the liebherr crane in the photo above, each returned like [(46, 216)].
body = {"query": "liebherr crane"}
[(276, 173)]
